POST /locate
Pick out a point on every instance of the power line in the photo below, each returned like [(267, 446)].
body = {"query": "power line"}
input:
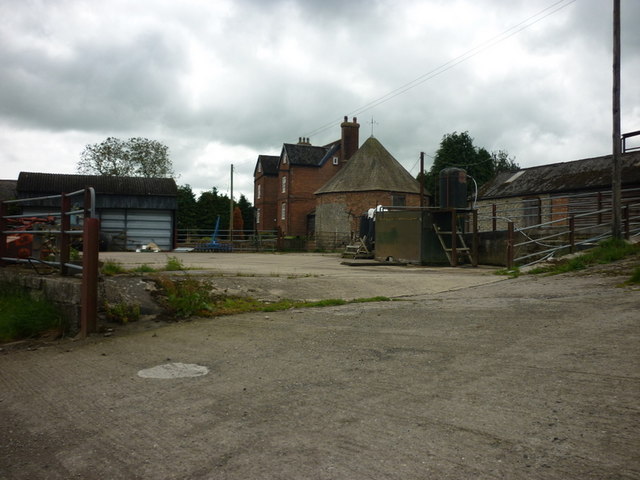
[(508, 33)]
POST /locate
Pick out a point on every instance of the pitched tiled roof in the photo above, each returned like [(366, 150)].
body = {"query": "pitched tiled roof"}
[(372, 167), (304, 155), (586, 174), (55, 183), (269, 164)]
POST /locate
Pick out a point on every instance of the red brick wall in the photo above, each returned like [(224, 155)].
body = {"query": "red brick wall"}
[(301, 183), (267, 201), (354, 204)]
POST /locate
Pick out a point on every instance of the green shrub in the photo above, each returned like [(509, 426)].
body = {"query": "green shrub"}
[(112, 267), (144, 268), (635, 277), (174, 264), (21, 316), (122, 312)]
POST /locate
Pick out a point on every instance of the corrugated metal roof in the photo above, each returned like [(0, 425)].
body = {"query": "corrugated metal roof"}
[(54, 183), (586, 174), (269, 164), (372, 167)]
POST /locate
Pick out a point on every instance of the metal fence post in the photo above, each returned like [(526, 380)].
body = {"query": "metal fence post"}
[(89, 291), (454, 235), (509, 245)]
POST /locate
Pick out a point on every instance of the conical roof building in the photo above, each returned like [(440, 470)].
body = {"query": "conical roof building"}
[(371, 168), (371, 177)]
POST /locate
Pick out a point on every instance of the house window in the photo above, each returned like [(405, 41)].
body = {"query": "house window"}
[(284, 184), (335, 160), (284, 158), (398, 201), (258, 216), (283, 211), (259, 191), (259, 168)]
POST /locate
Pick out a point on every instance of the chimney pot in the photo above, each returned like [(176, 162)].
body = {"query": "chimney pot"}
[(355, 120), (346, 119)]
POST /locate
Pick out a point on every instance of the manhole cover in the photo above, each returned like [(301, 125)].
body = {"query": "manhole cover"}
[(174, 370)]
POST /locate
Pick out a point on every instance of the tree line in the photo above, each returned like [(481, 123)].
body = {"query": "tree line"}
[(148, 158)]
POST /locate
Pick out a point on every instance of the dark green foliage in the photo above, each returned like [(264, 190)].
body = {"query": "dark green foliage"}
[(458, 150), (187, 214), (24, 317), (247, 212)]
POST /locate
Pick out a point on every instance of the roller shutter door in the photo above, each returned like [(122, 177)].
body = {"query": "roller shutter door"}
[(131, 228)]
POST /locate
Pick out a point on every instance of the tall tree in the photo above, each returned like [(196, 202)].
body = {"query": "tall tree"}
[(247, 212), (135, 157), (210, 205), (187, 214), (457, 150)]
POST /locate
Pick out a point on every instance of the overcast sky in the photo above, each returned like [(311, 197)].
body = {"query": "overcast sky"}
[(220, 82)]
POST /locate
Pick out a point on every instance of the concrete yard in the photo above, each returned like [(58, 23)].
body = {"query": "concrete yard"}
[(467, 376)]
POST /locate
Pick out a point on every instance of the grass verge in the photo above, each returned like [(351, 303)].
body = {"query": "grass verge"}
[(186, 296), (607, 251), (23, 317)]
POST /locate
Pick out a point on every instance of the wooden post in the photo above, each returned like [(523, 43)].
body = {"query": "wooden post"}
[(65, 226), (616, 168), (626, 219), (494, 220), (89, 291), (421, 179), (454, 238), (509, 245), (474, 248)]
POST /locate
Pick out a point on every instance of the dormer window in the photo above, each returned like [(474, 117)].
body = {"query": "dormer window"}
[(284, 159), (259, 167), (335, 160)]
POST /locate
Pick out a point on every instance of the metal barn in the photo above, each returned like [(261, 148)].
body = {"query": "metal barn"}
[(133, 211)]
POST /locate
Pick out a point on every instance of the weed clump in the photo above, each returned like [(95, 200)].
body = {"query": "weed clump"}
[(112, 267), (22, 317), (122, 312)]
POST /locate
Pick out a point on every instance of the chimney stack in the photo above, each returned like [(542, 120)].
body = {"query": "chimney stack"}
[(350, 138)]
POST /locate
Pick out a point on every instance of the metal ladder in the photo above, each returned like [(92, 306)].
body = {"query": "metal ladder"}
[(454, 254)]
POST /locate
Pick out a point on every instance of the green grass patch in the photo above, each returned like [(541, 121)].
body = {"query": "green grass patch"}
[(186, 296), (22, 317), (513, 273), (144, 268), (174, 264), (112, 267), (122, 312), (635, 276), (608, 251)]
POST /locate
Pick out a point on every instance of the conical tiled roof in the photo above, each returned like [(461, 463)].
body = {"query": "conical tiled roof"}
[(372, 167)]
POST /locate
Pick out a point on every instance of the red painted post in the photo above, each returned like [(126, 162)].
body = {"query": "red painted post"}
[(65, 226), (3, 226), (89, 292), (509, 245), (494, 220)]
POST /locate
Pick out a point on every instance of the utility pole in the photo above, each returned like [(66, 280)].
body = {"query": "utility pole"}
[(231, 207), (616, 200), (421, 176)]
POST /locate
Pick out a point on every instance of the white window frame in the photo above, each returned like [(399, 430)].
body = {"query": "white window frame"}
[(284, 184), (335, 160), (259, 192), (283, 211), (257, 215)]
